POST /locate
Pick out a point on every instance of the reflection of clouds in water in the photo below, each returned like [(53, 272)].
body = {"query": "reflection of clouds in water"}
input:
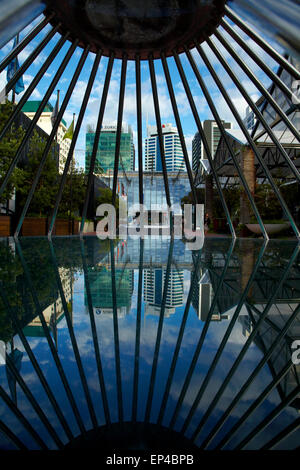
[(148, 336)]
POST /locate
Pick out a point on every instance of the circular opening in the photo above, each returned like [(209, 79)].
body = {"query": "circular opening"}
[(134, 27), (133, 436)]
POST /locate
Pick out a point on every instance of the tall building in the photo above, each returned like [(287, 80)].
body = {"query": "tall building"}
[(154, 282), (196, 151), (213, 135), (105, 156), (172, 148), (44, 122)]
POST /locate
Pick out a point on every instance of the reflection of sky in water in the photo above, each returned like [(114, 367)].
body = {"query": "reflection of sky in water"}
[(213, 258)]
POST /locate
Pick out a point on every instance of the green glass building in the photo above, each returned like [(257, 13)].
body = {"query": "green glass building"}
[(106, 150), (100, 280)]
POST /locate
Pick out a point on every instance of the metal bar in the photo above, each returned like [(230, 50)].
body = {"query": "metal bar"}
[(201, 339), (22, 418), (49, 340), (179, 341), (119, 127), (33, 84), (139, 125), (34, 120), (95, 337), (262, 43), (22, 44), (250, 141), (204, 140), (73, 339), (240, 357), (255, 405), (159, 131), (35, 364), (223, 343), (15, 15), (54, 129), (221, 128), (266, 69), (260, 116), (116, 333), (29, 61), (263, 361), (13, 370), (74, 140), (158, 335), (260, 427), (10, 435), (253, 105), (178, 125), (96, 140), (273, 17), (282, 435), (137, 335), (257, 83)]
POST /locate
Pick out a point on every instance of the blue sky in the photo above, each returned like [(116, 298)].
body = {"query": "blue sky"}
[(129, 116)]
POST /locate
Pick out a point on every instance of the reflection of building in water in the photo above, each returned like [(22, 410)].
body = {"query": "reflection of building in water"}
[(271, 327), (100, 281), (202, 297), (54, 313), (154, 281)]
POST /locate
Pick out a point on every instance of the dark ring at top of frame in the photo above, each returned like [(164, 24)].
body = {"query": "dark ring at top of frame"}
[(137, 27)]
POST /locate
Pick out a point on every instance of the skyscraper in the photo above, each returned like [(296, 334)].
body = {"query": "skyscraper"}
[(154, 282), (172, 149), (196, 151), (105, 156), (212, 134)]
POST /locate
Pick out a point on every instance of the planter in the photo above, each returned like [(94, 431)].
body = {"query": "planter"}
[(63, 227), (34, 227), (270, 228), (76, 226), (4, 225)]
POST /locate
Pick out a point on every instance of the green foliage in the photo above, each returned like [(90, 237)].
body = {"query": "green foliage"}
[(9, 145), (232, 196), (267, 203), (73, 194), (47, 185), (188, 199), (10, 269), (106, 198)]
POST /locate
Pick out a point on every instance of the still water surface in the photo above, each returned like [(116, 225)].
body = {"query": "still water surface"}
[(199, 342)]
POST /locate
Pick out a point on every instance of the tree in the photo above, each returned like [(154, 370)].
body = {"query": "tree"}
[(9, 145), (73, 194), (47, 185)]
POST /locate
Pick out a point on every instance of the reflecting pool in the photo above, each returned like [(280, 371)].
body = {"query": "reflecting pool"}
[(147, 345)]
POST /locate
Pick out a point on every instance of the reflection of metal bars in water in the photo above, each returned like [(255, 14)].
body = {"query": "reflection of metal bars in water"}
[(230, 260)]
